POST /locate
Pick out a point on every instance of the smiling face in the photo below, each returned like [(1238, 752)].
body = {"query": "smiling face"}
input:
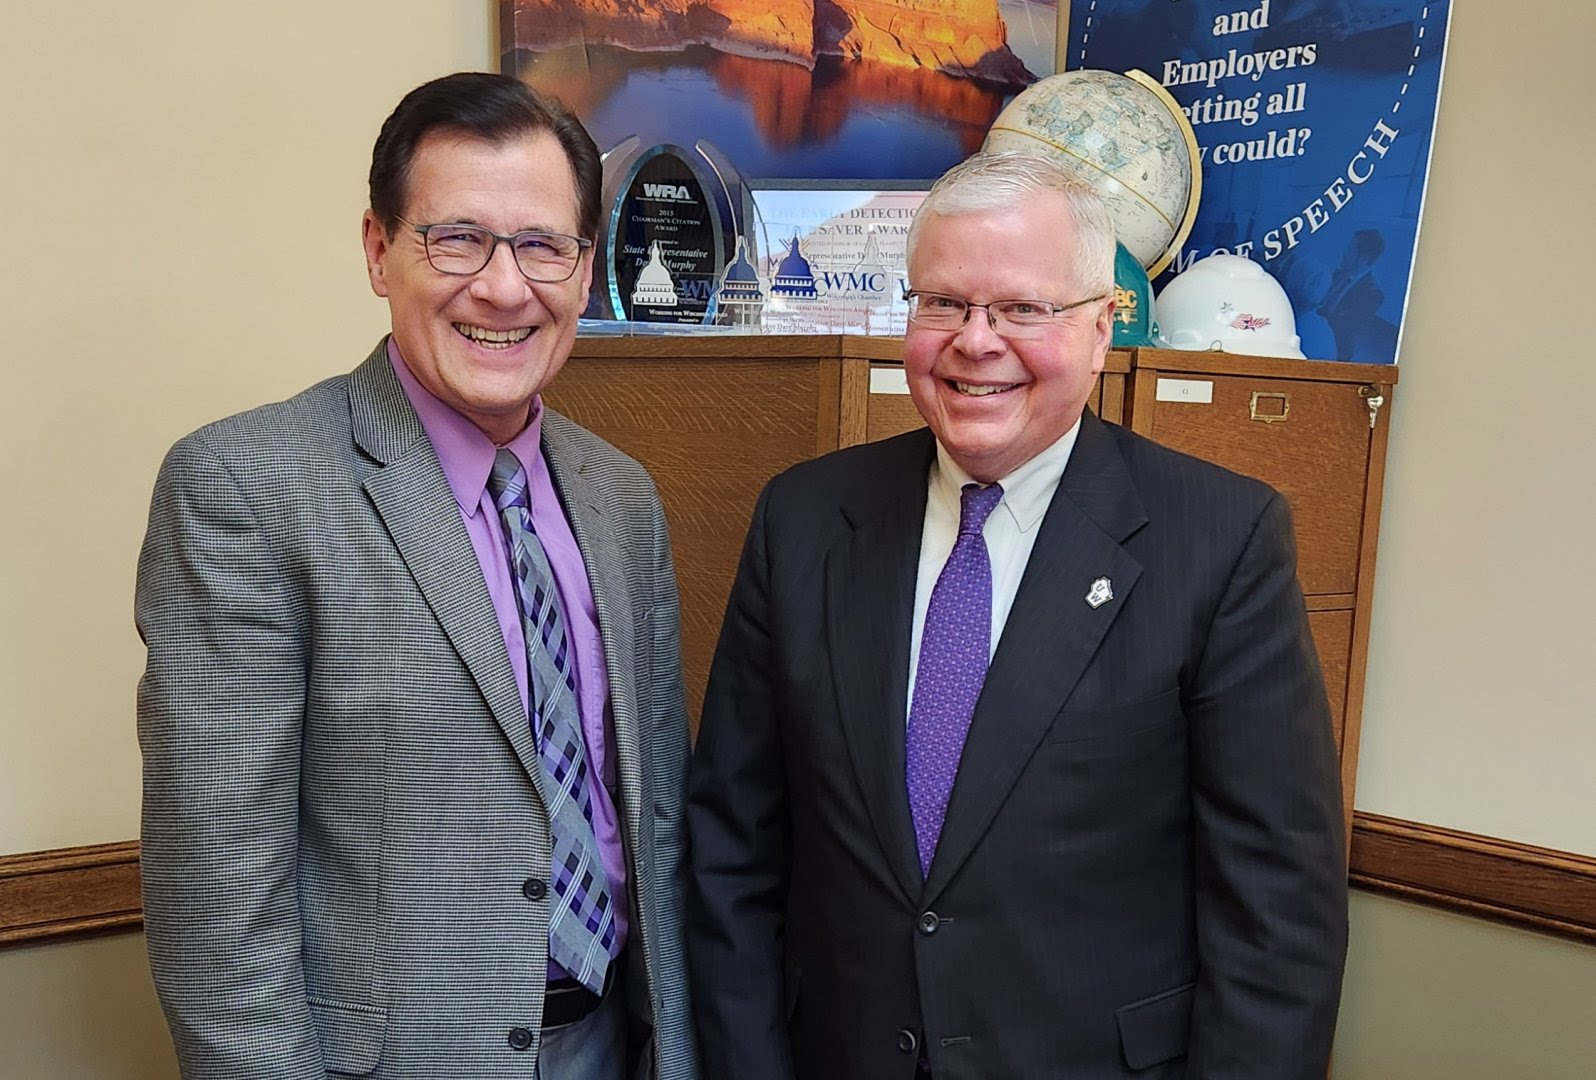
[(994, 403), (487, 343)]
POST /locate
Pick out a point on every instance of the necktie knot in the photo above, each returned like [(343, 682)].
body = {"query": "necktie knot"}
[(507, 480), (976, 504)]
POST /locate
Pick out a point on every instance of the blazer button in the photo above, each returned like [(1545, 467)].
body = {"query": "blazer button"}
[(929, 923), (907, 1042), (520, 1039), (534, 889)]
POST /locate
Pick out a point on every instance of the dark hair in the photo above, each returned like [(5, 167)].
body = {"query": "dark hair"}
[(495, 108)]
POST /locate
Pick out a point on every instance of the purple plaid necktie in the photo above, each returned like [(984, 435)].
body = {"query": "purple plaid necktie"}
[(955, 647), (582, 922)]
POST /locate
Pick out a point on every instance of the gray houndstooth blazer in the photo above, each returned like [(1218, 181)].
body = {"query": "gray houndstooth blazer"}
[(339, 813)]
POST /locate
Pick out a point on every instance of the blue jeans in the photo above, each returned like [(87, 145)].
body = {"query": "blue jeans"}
[(593, 1048)]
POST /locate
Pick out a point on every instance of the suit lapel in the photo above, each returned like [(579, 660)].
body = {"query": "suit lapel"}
[(1049, 638), (606, 564), (870, 580), (414, 500)]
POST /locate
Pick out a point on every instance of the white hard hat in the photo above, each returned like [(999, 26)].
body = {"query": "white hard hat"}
[(1231, 303)]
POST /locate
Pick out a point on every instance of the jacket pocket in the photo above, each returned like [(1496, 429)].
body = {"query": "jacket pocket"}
[(1156, 1029), (351, 1035)]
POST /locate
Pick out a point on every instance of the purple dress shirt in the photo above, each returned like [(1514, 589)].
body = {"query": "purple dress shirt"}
[(467, 457)]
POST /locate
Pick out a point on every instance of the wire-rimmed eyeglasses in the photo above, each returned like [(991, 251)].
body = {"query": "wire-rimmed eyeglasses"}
[(1011, 318), (543, 257)]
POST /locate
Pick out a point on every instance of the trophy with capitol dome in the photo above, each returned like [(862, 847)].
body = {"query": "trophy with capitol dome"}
[(673, 227)]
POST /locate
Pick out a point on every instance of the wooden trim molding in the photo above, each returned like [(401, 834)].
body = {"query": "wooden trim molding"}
[(1530, 887), (1211, 363), (51, 894)]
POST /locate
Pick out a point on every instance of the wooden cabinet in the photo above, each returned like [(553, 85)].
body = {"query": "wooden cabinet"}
[(1316, 431), (715, 417)]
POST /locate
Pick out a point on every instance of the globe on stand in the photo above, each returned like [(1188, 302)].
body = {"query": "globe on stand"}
[(1127, 139)]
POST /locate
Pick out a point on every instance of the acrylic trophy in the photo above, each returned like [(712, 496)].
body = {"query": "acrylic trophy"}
[(674, 229)]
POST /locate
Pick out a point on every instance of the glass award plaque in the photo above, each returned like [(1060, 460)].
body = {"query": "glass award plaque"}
[(671, 233)]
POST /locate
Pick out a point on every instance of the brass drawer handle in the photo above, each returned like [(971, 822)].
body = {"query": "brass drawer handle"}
[(1269, 417)]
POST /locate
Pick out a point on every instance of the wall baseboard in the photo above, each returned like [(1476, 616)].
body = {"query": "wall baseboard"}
[(53, 894), (1519, 884)]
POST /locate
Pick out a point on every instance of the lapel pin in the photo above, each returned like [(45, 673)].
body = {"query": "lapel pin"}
[(1101, 592)]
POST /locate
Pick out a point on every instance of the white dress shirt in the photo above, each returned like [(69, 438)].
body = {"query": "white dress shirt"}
[(1010, 532)]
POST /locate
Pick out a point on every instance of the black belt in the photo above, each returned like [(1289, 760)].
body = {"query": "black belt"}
[(565, 1001)]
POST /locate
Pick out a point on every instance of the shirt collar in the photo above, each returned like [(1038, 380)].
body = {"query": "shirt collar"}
[(464, 452), (1027, 491)]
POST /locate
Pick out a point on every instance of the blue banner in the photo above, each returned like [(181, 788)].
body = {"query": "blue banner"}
[(1314, 121)]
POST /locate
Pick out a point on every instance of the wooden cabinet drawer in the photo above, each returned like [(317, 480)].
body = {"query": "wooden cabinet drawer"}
[(1309, 439), (890, 411), (1332, 637)]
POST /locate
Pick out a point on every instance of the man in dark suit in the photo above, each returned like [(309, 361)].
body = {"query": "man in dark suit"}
[(1015, 760), (413, 725)]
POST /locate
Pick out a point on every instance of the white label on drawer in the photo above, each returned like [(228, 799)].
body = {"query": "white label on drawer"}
[(1191, 391), (888, 380)]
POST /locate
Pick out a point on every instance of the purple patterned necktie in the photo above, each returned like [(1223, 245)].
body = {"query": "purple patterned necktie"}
[(582, 922), (955, 647)]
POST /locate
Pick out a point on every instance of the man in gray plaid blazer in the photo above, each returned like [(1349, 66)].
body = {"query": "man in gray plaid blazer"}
[(379, 839)]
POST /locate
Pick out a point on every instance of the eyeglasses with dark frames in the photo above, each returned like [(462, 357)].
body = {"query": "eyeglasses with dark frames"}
[(543, 257), (1010, 318)]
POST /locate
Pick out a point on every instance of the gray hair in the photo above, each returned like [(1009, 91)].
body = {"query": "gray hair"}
[(997, 181)]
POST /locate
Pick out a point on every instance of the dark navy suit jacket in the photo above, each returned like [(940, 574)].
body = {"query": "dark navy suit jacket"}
[(1141, 872)]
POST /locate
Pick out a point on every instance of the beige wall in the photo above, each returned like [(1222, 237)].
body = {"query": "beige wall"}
[(182, 186), (1479, 705), (83, 1010), (170, 154), (1479, 709), (1433, 996)]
